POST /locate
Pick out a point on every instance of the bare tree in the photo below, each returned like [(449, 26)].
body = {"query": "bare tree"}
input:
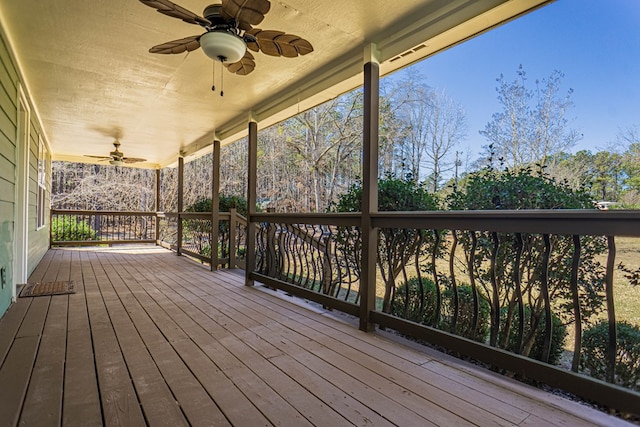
[(102, 187), (532, 126), (326, 140), (447, 127), (432, 125)]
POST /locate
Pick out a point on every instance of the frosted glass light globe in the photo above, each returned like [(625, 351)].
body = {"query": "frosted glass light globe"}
[(222, 46)]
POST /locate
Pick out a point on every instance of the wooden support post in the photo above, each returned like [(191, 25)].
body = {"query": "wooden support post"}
[(180, 202), (252, 167), (369, 188), (215, 204), (158, 195)]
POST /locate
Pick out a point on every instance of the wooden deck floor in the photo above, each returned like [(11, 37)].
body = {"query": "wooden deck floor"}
[(153, 339)]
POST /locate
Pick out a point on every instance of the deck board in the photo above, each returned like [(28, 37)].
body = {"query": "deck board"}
[(157, 401), (150, 338), (18, 364), (10, 323), (81, 397), (43, 404)]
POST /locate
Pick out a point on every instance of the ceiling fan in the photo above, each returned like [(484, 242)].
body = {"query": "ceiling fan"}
[(117, 157), (229, 32)]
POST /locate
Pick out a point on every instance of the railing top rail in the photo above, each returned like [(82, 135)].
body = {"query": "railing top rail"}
[(543, 221), (221, 215), (242, 219), (202, 215), (552, 221), (519, 213), (344, 219), (98, 212)]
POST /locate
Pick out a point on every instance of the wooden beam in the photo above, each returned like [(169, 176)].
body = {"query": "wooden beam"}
[(215, 202), (180, 202), (252, 166), (369, 188)]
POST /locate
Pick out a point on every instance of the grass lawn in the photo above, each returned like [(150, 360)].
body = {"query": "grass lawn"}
[(627, 297)]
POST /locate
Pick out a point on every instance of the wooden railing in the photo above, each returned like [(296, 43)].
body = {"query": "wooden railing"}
[(83, 227), (191, 234), (498, 286), (187, 233)]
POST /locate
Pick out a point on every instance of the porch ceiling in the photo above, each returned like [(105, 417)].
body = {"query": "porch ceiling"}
[(88, 70)]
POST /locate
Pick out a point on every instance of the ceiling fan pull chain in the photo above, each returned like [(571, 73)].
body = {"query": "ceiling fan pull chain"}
[(213, 79), (221, 79)]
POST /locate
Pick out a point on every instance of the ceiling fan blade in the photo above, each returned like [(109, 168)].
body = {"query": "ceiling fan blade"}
[(246, 13), (186, 44), (278, 43), (169, 8), (98, 157), (132, 160), (244, 66)]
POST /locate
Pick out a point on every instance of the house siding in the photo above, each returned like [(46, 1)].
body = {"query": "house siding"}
[(38, 240)]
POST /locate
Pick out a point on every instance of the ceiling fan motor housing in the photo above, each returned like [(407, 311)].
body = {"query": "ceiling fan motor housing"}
[(213, 13)]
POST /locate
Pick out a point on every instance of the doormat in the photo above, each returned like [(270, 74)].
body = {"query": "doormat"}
[(48, 289)]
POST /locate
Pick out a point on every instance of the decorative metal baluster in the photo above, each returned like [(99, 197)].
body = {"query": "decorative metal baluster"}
[(495, 297), (436, 281), (309, 237), (295, 244), (336, 233), (328, 284), (454, 284), (407, 291), (611, 313), (308, 259), (577, 339), (517, 280), (280, 251), (417, 263), (472, 282), (260, 249), (348, 233), (292, 265), (544, 288), (357, 267)]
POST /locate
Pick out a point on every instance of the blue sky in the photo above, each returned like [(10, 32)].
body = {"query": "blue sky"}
[(596, 44)]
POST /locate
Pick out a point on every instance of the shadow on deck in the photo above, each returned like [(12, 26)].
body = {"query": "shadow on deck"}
[(150, 338)]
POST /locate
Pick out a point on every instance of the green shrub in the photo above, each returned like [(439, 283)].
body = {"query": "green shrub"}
[(536, 351), (419, 305), (225, 203), (530, 188), (593, 359), (464, 323), (71, 229)]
